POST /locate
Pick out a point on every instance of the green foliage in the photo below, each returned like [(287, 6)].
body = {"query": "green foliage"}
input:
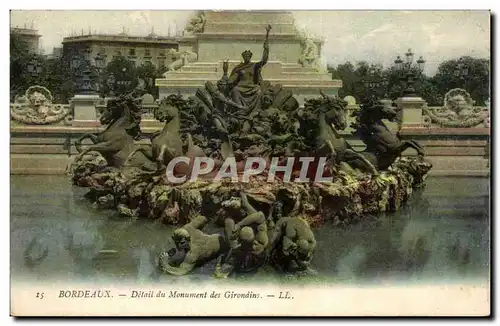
[(54, 73), (148, 72), (432, 89), (477, 81), (20, 57), (122, 70)]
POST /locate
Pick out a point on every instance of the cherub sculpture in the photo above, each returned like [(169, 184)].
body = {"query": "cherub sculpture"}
[(193, 248)]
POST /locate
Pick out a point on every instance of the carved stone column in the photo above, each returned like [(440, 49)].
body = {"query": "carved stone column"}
[(410, 112), (84, 108)]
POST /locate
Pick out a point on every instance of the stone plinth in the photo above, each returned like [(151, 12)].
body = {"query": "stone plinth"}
[(303, 82), (410, 109), (228, 33), (83, 107), (452, 151)]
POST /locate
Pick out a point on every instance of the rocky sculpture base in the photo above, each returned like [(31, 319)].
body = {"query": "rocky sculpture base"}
[(348, 199)]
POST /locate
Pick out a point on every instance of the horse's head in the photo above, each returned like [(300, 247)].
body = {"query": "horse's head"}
[(376, 111), (111, 112), (334, 109), (169, 107)]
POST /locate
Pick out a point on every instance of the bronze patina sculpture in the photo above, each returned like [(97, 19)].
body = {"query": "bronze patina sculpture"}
[(116, 142), (382, 146), (193, 247), (246, 78), (248, 241), (167, 144), (220, 107), (323, 117), (293, 243), (238, 117)]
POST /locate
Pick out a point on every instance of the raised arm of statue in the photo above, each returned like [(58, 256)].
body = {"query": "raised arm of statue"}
[(265, 54)]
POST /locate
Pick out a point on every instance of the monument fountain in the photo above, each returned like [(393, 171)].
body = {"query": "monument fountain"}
[(249, 97), (242, 152)]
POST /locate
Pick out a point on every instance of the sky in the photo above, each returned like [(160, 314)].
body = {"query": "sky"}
[(374, 36)]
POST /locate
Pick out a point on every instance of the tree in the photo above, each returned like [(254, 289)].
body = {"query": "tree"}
[(476, 82), (148, 72), (430, 92), (432, 89), (20, 59), (124, 76)]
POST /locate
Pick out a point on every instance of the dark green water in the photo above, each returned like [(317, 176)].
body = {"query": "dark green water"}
[(441, 235)]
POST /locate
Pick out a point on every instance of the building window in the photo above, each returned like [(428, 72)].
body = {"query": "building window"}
[(162, 53), (118, 53), (147, 62), (102, 51), (147, 52), (131, 52)]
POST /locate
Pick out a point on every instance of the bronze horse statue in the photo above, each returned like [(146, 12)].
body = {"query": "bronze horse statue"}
[(167, 144), (382, 146), (122, 116), (328, 116)]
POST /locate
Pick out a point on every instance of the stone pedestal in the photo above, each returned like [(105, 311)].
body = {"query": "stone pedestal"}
[(228, 33), (84, 108), (410, 112)]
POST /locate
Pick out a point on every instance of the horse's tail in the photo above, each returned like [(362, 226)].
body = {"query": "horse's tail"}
[(78, 145)]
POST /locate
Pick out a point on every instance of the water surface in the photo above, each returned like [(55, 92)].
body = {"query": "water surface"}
[(441, 235)]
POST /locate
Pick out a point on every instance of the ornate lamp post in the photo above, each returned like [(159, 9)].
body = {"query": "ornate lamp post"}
[(100, 62), (123, 82), (86, 74), (409, 71), (34, 67), (111, 84), (462, 71)]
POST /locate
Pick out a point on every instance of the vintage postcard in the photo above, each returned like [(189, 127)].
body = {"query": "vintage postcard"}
[(250, 163)]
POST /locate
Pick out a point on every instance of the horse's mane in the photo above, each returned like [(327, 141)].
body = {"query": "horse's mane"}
[(364, 116), (313, 104), (175, 100), (117, 109)]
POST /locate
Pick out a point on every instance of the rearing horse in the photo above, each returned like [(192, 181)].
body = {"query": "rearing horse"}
[(123, 116), (167, 144), (329, 116), (382, 146)]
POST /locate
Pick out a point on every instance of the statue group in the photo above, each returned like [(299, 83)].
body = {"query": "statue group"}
[(244, 116)]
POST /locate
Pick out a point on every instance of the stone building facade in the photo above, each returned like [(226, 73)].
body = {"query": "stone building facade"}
[(158, 50), (30, 36)]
